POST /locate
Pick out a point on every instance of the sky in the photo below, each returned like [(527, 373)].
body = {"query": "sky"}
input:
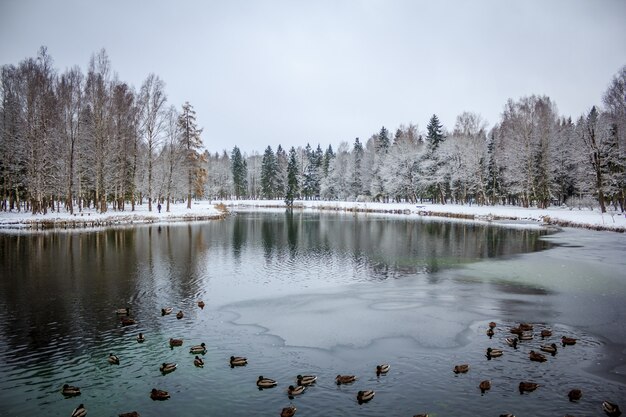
[(272, 72)]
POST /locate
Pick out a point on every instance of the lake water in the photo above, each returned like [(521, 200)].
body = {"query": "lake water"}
[(311, 293)]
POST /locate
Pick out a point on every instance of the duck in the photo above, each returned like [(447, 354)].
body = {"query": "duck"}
[(167, 310), (79, 411), (265, 382), (166, 368), (306, 379), (549, 348), (527, 386), (140, 338), (568, 341), (131, 414), (575, 394), (526, 336), (176, 342), (461, 369), (526, 327), (516, 330), (127, 321), (198, 362), (484, 386), (201, 348), (201, 304), (490, 332), (611, 409), (364, 396), (493, 353), (180, 315), (546, 333), (492, 325), (345, 379), (511, 341), (295, 390), (113, 359), (288, 411), (160, 395), (70, 391), (123, 311), (238, 361), (537, 357), (382, 369)]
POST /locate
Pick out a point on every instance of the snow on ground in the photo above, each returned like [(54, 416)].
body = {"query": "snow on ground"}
[(204, 210)]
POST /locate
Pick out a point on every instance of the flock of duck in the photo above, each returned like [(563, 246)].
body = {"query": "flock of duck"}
[(522, 332)]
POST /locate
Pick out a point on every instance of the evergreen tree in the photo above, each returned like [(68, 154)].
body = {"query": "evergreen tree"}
[(435, 133), (492, 186), (269, 174), (292, 178), (191, 142), (240, 173), (281, 165), (326, 160), (356, 184), (382, 141)]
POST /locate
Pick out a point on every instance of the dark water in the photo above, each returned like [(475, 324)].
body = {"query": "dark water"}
[(311, 294)]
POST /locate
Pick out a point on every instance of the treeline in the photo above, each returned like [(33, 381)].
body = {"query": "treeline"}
[(72, 140), (531, 157)]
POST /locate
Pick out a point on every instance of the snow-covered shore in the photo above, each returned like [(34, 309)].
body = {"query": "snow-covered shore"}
[(206, 210)]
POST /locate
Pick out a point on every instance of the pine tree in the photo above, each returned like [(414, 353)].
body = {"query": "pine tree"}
[(292, 178), (191, 143), (356, 183), (382, 141), (281, 166), (435, 134), (269, 175), (240, 173), (326, 160)]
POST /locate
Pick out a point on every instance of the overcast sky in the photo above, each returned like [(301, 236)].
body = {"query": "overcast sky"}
[(275, 72)]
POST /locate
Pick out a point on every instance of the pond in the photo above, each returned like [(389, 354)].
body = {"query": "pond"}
[(311, 293)]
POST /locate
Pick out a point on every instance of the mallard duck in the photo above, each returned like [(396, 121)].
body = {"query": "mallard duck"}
[(511, 341), (197, 349), (123, 311), (306, 379), (493, 353), (345, 379), (238, 361), (382, 369), (140, 338), (549, 348), (113, 359), (180, 315), (70, 391), (490, 332), (288, 411), (461, 369), (166, 368), (265, 382), (611, 409), (198, 362), (492, 324), (201, 304), (568, 341), (167, 310), (527, 387), (131, 414), (516, 330), (160, 395), (176, 342), (546, 333), (364, 396), (484, 386), (537, 357), (526, 336), (575, 394), (127, 321), (79, 411), (526, 327), (295, 390)]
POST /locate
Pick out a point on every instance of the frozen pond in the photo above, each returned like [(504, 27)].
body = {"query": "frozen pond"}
[(312, 293)]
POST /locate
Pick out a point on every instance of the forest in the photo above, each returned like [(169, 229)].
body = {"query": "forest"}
[(70, 140)]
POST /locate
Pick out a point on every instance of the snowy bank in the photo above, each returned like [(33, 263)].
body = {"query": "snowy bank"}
[(559, 216)]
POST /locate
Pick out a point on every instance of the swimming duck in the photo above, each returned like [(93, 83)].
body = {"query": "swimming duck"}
[(537, 357), (546, 333), (526, 336), (511, 341), (70, 391), (526, 327), (201, 304), (382, 369), (198, 362), (611, 409), (166, 311), (568, 341), (127, 321), (306, 379), (123, 311), (179, 315), (131, 414), (140, 338), (166, 368), (113, 359), (201, 348), (490, 332), (549, 348), (364, 396), (345, 379), (288, 411), (516, 330), (484, 386), (238, 361), (492, 324), (160, 395), (493, 353), (575, 394), (527, 386), (265, 382), (297, 390), (176, 342), (79, 411), (461, 369)]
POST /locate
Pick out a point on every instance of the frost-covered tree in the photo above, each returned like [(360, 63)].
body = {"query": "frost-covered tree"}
[(292, 188), (614, 100), (240, 173), (356, 175), (191, 143)]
